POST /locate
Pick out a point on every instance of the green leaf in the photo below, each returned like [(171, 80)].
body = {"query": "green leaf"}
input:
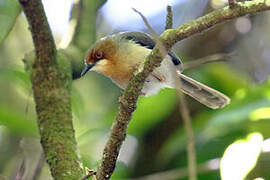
[(151, 110), (120, 171), (16, 122), (9, 10), (17, 76)]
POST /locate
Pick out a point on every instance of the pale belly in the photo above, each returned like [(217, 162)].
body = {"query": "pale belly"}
[(152, 84)]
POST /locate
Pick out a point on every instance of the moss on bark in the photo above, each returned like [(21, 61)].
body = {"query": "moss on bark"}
[(51, 83)]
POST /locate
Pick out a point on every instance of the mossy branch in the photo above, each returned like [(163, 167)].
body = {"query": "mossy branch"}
[(51, 83), (169, 38), (169, 18)]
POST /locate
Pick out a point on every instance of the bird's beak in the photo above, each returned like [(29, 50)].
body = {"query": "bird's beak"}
[(87, 68)]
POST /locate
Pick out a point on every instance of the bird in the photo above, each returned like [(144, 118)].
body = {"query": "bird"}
[(119, 55)]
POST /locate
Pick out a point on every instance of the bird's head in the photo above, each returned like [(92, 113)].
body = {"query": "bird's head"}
[(101, 55), (117, 56)]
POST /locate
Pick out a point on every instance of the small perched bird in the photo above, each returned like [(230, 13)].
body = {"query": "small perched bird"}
[(118, 56)]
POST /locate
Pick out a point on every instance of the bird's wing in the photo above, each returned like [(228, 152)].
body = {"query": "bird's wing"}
[(145, 40)]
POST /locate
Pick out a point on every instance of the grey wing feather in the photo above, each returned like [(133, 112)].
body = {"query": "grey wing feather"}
[(145, 40), (202, 93)]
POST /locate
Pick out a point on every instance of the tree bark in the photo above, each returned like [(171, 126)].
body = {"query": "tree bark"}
[(51, 83)]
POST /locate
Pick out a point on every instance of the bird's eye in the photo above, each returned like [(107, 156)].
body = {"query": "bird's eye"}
[(99, 55)]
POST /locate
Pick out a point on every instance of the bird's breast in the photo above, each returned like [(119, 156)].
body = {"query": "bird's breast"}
[(119, 73)]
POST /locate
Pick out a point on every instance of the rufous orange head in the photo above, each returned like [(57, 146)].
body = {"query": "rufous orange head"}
[(100, 53)]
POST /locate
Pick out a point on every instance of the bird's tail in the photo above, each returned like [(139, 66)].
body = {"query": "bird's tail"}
[(202, 93)]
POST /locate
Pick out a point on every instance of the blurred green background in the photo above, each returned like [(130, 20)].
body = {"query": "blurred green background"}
[(231, 143)]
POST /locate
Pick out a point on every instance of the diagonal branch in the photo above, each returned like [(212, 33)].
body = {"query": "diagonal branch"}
[(180, 173), (208, 59), (169, 38)]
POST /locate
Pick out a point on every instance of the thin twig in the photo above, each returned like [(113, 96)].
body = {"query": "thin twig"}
[(191, 151), (208, 59), (153, 33), (169, 38), (179, 173), (20, 173), (89, 174), (39, 166), (169, 18), (184, 111)]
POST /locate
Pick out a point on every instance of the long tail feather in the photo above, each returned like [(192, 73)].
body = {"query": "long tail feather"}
[(202, 93)]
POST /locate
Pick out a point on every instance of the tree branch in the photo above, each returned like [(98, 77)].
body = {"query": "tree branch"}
[(41, 34), (191, 151), (39, 167), (180, 173), (169, 38), (84, 13), (51, 83), (208, 59), (169, 18)]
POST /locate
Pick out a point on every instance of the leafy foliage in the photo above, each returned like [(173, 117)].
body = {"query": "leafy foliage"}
[(9, 10)]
